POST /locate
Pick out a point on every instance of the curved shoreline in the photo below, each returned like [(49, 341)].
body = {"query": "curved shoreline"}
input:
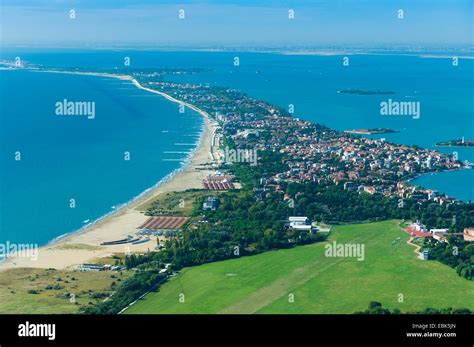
[(83, 244), (454, 195), (129, 208), (137, 198)]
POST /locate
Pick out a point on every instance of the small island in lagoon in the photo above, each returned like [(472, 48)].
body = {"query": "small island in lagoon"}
[(456, 143), (371, 131)]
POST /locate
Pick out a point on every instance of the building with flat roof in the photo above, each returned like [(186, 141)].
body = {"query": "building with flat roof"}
[(308, 228), (299, 220), (301, 224), (211, 203)]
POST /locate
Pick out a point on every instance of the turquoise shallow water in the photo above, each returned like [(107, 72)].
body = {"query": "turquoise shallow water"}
[(64, 158)]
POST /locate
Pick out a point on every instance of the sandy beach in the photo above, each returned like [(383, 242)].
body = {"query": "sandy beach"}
[(84, 245)]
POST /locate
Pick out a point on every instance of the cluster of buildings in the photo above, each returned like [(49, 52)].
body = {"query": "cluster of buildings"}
[(418, 229), (303, 223), (405, 191), (373, 166), (313, 152)]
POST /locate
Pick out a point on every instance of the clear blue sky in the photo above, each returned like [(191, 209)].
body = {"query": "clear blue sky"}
[(224, 22)]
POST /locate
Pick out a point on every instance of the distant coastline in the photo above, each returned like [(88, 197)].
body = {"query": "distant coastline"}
[(456, 143), (128, 218), (371, 131), (364, 92)]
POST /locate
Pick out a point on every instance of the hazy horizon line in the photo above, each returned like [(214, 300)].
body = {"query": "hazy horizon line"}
[(253, 47)]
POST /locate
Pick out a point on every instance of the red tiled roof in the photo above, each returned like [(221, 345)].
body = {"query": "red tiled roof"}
[(164, 222), (417, 233)]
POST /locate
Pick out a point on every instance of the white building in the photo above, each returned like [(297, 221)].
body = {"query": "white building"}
[(299, 220), (301, 224), (419, 227), (307, 228)]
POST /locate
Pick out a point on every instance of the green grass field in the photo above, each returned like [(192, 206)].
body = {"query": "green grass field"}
[(319, 284)]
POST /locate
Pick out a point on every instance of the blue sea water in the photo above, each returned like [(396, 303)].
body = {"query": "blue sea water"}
[(72, 157), (89, 153)]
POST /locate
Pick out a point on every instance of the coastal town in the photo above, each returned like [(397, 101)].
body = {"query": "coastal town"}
[(313, 152), (262, 179), (171, 167)]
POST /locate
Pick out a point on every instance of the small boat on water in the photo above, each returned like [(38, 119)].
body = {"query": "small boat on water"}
[(86, 221)]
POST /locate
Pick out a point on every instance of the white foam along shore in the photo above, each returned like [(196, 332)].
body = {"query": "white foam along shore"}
[(83, 245)]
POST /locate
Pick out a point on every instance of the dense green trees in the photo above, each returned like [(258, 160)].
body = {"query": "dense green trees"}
[(246, 225), (457, 253), (376, 308), (328, 202), (130, 291)]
